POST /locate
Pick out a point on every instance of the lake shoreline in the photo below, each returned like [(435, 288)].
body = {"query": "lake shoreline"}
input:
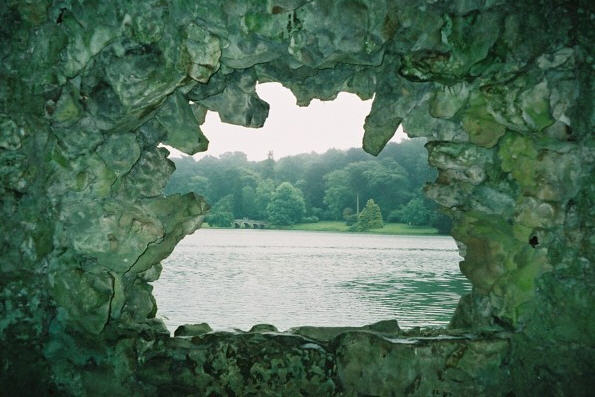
[(235, 278), (394, 229)]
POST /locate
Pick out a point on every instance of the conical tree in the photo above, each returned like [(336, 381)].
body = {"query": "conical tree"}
[(370, 218)]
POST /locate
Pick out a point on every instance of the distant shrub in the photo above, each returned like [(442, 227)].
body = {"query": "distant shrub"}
[(349, 216), (441, 222), (310, 219), (350, 219), (318, 212), (347, 212), (219, 218), (395, 216), (370, 218)]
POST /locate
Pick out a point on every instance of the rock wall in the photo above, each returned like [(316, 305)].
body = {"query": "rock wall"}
[(502, 90)]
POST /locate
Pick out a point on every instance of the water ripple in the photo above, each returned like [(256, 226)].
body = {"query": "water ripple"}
[(290, 278)]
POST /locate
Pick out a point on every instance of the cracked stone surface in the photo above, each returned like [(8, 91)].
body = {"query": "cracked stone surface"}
[(502, 89)]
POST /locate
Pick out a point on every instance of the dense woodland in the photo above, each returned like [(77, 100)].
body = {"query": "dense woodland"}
[(312, 187)]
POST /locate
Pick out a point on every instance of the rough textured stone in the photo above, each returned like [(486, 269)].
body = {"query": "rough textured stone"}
[(178, 119), (369, 364), (263, 328), (502, 90), (386, 327), (193, 329)]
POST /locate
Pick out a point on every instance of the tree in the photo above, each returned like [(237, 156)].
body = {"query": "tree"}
[(415, 212), (329, 182), (220, 219), (264, 192), (287, 205), (185, 169), (441, 222), (290, 169), (338, 193), (349, 216), (421, 211), (389, 184), (267, 167), (249, 206), (190, 183), (413, 157), (370, 218), (221, 214), (314, 185)]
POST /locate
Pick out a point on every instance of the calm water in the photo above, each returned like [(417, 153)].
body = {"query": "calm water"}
[(237, 278)]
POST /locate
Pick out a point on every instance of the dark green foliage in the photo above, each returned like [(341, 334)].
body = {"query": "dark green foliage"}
[(264, 193), (221, 214), (220, 219), (287, 205), (394, 216), (338, 193), (440, 221), (370, 218), (421, 211), (329, 183), (349, 216), (415, 212)]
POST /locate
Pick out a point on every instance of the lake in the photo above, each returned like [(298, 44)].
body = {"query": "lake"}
[(235, 278)]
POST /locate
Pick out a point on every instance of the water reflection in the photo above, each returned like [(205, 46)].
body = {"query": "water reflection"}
[(237, 278)]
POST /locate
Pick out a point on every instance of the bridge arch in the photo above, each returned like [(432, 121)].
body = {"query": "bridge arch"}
[(249, 224)]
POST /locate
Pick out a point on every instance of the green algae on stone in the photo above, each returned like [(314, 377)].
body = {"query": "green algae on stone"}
[(183, 129), (238, 103), (367, 363), (460, 161), (120, 152), (448, 100), (204, 51), (536, 107), (264, 364), (149, 175), (465, 41), (10, 138), (68, 108), (483, 130), (85, 295), (490, 248), (348, 31), (517, 288)]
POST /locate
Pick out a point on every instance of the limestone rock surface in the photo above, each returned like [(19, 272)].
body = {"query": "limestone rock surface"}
[(502, 90)]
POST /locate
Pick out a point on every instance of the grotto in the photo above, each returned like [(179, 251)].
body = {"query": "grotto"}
[(89, 89)]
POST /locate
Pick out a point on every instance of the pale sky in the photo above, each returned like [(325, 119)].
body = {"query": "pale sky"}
[(291, 129)]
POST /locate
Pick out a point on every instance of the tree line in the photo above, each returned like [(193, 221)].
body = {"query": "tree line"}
[(311, 187)]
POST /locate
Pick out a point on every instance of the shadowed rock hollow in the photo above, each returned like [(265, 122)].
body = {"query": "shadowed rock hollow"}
[(502, 90)]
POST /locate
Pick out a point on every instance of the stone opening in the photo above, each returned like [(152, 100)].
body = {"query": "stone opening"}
[(503, 94), (228, 296)]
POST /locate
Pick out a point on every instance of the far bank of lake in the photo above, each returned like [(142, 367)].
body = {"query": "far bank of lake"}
[(397, 229)]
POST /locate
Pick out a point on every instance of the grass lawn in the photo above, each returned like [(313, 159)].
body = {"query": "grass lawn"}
[(337, 226), (389, 228), (322, 226)]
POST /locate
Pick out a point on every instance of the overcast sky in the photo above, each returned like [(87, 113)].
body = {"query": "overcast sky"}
[(290, 129)]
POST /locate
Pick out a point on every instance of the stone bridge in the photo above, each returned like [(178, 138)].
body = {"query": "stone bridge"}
[(249, 224)]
